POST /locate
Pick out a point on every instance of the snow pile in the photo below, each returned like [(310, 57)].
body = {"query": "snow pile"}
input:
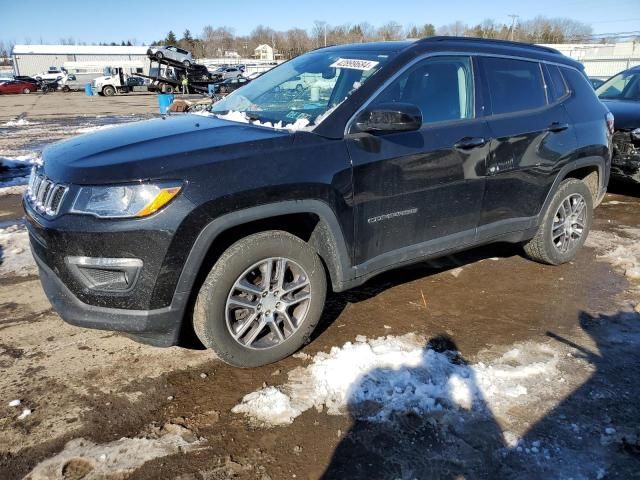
[(21, 161), (373, 379), (241, 117), (118, 459), (21, 122), (622, 251), (15, 253)]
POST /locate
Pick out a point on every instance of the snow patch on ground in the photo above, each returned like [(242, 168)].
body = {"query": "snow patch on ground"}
[(14, 186), (15, 253), (84, 459), (620, 248), (373, 379), (20, 161), (21, 122)]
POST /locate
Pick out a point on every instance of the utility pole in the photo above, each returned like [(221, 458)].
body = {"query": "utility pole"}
[(514, 19), (325, 34)]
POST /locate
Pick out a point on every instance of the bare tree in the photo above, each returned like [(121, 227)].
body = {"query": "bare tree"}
[(390, 31)]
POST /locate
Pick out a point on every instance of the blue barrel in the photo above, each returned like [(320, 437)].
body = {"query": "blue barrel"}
[(87, 90), (164, 102)]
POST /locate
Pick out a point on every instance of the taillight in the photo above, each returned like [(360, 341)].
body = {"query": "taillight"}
[(610, 119)]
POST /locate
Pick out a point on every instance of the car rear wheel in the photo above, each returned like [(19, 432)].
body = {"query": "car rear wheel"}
[(261, 300), (66, 88), (26, 90), (565, 225)]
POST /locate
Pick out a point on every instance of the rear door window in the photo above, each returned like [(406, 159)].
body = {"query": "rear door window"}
[(514, 85)]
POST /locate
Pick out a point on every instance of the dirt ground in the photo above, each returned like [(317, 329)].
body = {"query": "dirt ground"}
[(103, 406)]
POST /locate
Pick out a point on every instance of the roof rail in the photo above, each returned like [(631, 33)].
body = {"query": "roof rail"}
[(490, 41)]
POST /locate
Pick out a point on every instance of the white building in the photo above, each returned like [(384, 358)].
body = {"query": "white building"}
[(33, 59), (602, 60), (264, 52)]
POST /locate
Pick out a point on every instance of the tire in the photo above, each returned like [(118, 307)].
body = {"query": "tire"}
[(543, 247), (186, 63), (299, 88), (66, 89), (26, 90), (108, 91), (214, 319), (159, 56)]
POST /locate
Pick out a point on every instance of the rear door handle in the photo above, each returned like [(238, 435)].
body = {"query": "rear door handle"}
[(467, 143), (557, 127)]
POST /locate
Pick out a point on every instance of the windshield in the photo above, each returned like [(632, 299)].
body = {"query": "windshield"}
[(624, 86), (303, 90)]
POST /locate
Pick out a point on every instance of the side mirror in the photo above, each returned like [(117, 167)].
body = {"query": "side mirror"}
[(388, 118)]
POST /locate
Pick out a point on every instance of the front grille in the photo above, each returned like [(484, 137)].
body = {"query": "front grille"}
[(45, 195)]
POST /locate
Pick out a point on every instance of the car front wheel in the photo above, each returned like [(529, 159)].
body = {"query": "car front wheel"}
[(565, 225), (262, 299)]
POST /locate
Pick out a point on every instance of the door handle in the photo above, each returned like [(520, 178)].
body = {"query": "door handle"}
[(557, 127), (467, 143)]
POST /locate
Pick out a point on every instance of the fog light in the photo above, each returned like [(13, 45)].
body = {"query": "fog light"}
[(105, 274)]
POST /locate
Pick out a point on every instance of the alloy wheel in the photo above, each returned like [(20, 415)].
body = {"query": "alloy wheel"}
[(268, 303), (569, 223)]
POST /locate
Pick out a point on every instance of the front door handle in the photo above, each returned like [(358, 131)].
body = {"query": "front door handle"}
[(467, 143), (557, 127)]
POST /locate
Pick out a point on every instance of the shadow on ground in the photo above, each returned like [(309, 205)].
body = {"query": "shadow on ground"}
[(593, 433)]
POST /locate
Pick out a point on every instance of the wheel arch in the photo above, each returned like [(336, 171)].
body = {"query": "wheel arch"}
[(592, 170), (311, 220)]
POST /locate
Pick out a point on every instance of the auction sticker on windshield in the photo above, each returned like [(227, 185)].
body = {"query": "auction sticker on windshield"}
[(354, 64)]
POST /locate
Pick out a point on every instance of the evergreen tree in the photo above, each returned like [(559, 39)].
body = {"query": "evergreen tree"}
[(171, 38)]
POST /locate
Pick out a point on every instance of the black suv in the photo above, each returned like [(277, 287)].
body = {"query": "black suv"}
[(235, 222)]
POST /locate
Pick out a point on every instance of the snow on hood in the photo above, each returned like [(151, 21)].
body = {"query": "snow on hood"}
[(241, 117), (373, 379)]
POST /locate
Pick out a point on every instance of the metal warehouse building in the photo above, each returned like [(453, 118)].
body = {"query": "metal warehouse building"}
[(34, 59)]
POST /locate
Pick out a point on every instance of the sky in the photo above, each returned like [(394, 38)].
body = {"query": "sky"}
[(30, 21)]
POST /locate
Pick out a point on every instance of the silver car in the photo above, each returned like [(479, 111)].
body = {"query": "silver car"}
[(171, 53)]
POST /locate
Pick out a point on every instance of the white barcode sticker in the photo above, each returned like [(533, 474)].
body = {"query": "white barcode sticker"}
[(354, 64)]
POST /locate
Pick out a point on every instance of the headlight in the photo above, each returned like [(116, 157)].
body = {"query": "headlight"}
[(124, 201), (635, 134)]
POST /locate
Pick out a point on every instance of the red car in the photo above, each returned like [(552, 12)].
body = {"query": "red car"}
[(17, 86)]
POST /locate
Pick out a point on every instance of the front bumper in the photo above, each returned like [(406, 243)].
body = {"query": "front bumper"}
[(160, 327)]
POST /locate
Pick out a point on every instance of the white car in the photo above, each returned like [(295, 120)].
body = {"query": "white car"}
[(228, 72), (171, 53), (52, 74)]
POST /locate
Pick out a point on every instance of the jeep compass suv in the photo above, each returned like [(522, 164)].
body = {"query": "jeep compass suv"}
[(235, 223)]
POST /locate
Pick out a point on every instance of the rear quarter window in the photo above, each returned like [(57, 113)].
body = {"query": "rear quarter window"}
[(514, 85), (556, 84), (579, 84)]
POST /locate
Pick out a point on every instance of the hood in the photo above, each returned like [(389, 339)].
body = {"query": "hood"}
[(155, 149), (626, 113)]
